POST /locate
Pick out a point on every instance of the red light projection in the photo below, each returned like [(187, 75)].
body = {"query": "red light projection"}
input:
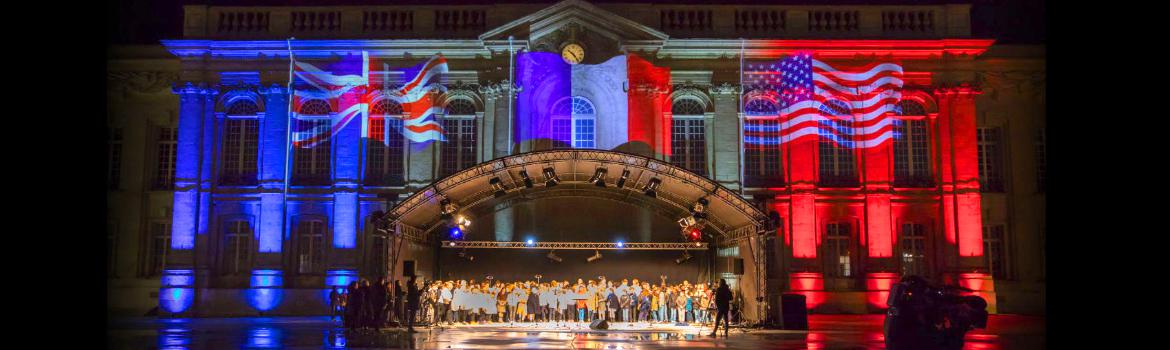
[(649, 91)]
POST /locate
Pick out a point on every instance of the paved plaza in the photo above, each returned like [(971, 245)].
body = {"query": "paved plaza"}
[(826, 332)]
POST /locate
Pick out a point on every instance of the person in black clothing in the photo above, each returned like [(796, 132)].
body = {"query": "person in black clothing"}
[(378, 304), (723, 304), (398, 306), (353, 303), (411, 303)]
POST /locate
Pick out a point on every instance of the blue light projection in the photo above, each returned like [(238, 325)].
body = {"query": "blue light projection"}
[(177, 294), (264, 337), (340, 278), (271, 222), (266, 292), (345, 212)]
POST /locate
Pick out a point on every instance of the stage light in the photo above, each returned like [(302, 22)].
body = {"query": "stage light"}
[(497, 187), (686, 256), (695, 234), (552, 255), (455, 233), (446, 208), (622, 180), (687, 221), (463, 254), (599, 177), (596, 256), (529, 242), (620, 244), (699, 209), (451, 244), (527, 180), (652, 187), (550, 176)]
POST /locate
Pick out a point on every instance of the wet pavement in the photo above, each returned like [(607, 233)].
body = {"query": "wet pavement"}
[(1007, 332)]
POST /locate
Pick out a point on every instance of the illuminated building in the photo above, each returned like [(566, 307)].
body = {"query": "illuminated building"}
[(198, 141)]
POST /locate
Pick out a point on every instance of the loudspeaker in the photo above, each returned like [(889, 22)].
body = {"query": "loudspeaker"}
[(407, 268), (737, 266), (795, 311), (599, 324)]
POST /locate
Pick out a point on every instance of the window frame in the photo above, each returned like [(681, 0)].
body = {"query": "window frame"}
[(995, 166), (913, 147), (1002, 243), (922, 262), (461, 134), (312, 245), (239, 155), (240, 264), (320, 156), (828, 149), (756, 157), (832, 234), (386, 163)]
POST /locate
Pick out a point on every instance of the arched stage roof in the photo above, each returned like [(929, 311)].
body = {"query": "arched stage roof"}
[(730, 217)]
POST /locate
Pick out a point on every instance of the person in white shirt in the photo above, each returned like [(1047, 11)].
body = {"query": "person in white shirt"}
[(446, 297), (546, 302)]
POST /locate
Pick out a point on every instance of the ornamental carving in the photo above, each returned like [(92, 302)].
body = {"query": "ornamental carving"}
[(141, 82), (1029, 83)]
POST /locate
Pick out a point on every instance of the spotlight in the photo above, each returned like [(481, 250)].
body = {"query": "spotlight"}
[(552, 255), (687, 221), (699, 209), (529, 242), (497, 187), (652, 187), (622, 180), (599, 177), (452, 244), (463, 254), (620, 244), (527, 180), (446, 208), (694, 234), (596, 256), (686, 256), (550, 176), (455, 233)]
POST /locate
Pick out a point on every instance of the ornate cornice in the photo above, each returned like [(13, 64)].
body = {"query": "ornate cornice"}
[(725, 89), (500, 89), (960, 89)]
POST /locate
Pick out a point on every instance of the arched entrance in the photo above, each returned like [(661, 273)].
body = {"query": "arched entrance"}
[(418, 226)]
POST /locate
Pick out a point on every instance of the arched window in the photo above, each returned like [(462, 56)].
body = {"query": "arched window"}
[(836, 146), (911, 147), (762, 156), (240, 143), (574, 123), (237, 248), (688, 139), (310, 247), (457, 152), (386, 145), (760, 107), (913, 249), (312, 133)]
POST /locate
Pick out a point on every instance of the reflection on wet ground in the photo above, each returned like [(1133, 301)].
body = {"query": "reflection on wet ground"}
[(826, 332)]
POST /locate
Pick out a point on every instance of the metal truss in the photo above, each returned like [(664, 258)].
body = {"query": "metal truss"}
[(573, 245)]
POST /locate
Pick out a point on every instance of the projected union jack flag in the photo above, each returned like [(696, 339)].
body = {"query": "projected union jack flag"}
[(851, 107)]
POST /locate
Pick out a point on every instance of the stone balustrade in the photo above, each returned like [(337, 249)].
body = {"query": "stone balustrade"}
[(678, 21)]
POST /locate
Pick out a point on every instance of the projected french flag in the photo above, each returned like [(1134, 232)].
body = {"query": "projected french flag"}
[(616, 105)]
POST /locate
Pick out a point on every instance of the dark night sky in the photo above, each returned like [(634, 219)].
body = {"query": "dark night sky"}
[(148, 21)]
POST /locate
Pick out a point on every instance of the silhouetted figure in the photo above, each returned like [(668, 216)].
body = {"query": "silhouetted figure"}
[(334, 304), (398, 306), (353, 306), (411, 303), (723, 305), (378, 304)]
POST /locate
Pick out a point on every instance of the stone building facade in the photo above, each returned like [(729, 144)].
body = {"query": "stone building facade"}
[(201, 223)]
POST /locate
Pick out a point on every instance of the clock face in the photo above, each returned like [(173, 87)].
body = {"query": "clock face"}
[(573, 53)]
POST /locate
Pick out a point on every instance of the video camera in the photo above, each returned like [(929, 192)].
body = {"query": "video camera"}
[(917, 310)]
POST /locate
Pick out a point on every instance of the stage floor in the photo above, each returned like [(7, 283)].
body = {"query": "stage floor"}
[(576, 327)]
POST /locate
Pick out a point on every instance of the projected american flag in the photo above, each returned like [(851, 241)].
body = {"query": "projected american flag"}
[(851, 107)]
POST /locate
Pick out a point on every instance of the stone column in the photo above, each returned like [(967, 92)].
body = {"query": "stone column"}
[(273, 150), (346, 177), (177, 292), (725, 136), (498, 114)]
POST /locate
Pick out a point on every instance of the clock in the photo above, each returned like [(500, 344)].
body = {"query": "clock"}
[(573, 53)]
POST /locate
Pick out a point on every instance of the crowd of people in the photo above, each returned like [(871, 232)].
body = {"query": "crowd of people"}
[(364, 305)]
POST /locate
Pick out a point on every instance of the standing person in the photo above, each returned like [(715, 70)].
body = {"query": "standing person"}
[(723, 304), (624, 306), (533, 303), (399, 308), (690, 306), (662, 304), (644, 306), (581, 299), (612, 304), (411, 302), (565, 302), (446, 297), (680, 305), (334, 303), (501, 303)]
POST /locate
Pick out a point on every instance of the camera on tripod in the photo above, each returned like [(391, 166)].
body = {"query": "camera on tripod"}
[(921, 314)]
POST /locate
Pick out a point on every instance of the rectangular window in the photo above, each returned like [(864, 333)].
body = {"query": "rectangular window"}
[(913, 244), (385, 155), (312, 165), (837, 244), (1041, 159), (164, 177), (237, 248), (990, 159), (583, 133), (458, 152), (911, 154), (240, 147), (837, 168), (995, 250), (562, 130), (114, 174), (688, 145), (762, 153), (160, 247), (310, 247)]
